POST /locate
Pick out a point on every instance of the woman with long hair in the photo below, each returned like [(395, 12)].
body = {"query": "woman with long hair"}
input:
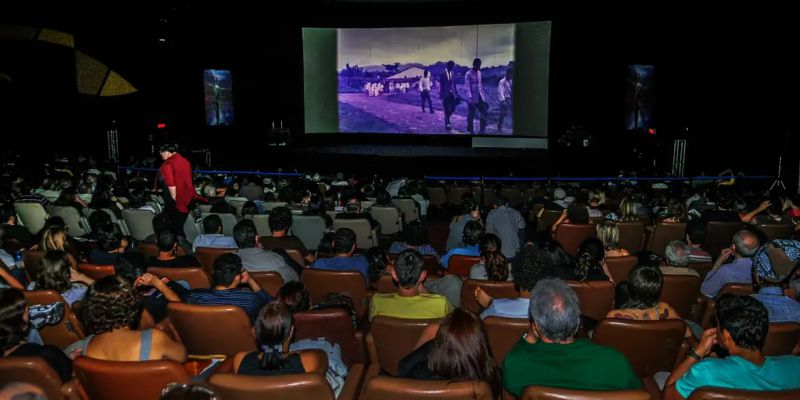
[(493, 266), (55, 274)]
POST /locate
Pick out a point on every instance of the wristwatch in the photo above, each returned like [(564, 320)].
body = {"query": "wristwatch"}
[(693, 354)]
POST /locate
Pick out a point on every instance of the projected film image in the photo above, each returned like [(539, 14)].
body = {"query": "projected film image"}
[(432, 80), (218, 90)]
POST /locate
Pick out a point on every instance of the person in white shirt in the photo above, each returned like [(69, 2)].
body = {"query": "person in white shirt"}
[(213, 237), (504, 93), (391, 87), (425, 90), (477, 99)]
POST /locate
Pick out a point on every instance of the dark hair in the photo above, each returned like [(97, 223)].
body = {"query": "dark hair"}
[(343, 240), (171, 147), (451, 64), (510, 71), (415, 233), (590, 254), (280, 219), (249, 208), (745, 318), (295, 296), (461, 351), (644, 287), (377, 260), (408, 268), (244, 233), (476, 62), (578, 213), (109, 237), (468, 205), (677, 209), (325, 245), (111, 303), (130, 266), (189, 391), (54, 272), (696, 231), (166, 241), (98, 219), (6, 212), (530, 266), (226, 267), (212, 223), (273, 325), (161, 222), (12, 322), (473, 230), (494, 261), (383, 198)]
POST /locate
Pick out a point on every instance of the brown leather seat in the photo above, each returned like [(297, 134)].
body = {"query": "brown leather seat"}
[(712, 393), (33, 370), (297, 256), (96, 271), (432, 266), (151, 250), (650, 346), (270, 281), (460, 264), (503, 334), (782, 339), (631, 236), (663, 233), (336, 326), (31, 258), (739, 289), (321, 282), (596, 298), (196, 277), (620, 267), (548, 393), (719, 235), (498, 290), (682, 292), (391, 339), (385, 284), (571, 236), (702, 269), (127, 380), (777, 231), (547, 220), (212, 330), (390, 388), (206, 256), (278, 387), (66, 332)]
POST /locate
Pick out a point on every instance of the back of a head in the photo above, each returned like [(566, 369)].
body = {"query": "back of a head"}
[(166, 241), (111, 303), (378, 261), (226, 268), (608, 233), (745, 318), (677, 253), (468, 205), (578, 213), (408, 268), (644, 287), (627, 210), (473, 230), (12, 325), (295, 296), (494, 261), (98, 219), (415, 233), (352, 207), (209, 190), (280, 219), (273, 325), (244, 234), (189, 391), (746, 243), (383, 198), (109, 237), (54, 271), (249, 208), (555, 310), (590, 256), (130, 265), (161, 222), (344, 240), (212, 224), (530, 266), (171, 147), (696, 231), (54, 238)]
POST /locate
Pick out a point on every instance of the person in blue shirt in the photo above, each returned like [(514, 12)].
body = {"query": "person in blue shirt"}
[(212, 236), (742, 326), (344, 245), (773, 265), (473, 231)]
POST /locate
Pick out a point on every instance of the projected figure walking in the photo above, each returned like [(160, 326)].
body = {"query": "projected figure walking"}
[(504, 93), (448, 93), (477, 99)]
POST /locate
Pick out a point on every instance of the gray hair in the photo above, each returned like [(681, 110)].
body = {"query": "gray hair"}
[(677, 253), (745, 243), (555, 309)]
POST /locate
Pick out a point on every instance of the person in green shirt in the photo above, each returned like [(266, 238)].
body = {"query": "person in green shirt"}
[(550, 355), (742, 326)]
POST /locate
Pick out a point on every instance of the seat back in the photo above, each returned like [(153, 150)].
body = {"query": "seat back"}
[(620, 267), (437, 196), (702, 268), (206, 256), (309, 229), (408, 207), (596, 298), (549, 393), (571, 236), (682, 292), (650, 346), (251, 192), (69, 330), (278, 387), (270, 281), (460, 264), (336, 326), (237, 203), (191, 229), (777, 231), (739, 289), (455, 194), (389, 218), (390, 388), (365, 237), (503, 334), (33, 370), (663, 233), (196, 277), (96, 271), (713, 393), (31, 215), (76, 223), (271, 205), (139, 222), (261, 221), (148, 249), (212, 330), (204, 208), (719, 235), (546, 221), (782, 338), (498, 290), (228, 221), (391, 339), (321, 282), (127, 380), (386, 284), (631, 236)]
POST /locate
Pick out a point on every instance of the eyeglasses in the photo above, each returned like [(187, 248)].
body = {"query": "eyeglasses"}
[(189, 388)]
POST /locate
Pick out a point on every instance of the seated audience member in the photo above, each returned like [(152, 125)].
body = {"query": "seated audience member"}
[(608, 233), (509, 225), (167, 250), (8, 219), (317, 207), (257, 259), (378, 263), (742, 325), (280, 220), (718, 209), (733, 264), (14, 326), (411, 299), (676, 259), (558, 203), (550, 355), (675, 212), (576, 213), (352, 210), (768, 212), (110, 244), (161, 222), (628, 211), (415, 237), (111, 316), (531, 266), (473, 230), (773, 265), (589, 263), (696, 237), (213, 237), (55, 274), (295, 296), (130, 266), (457, 349), (493, 266), (344, 245), (69, 198), (471, 212), (413, 191), (54, 237)]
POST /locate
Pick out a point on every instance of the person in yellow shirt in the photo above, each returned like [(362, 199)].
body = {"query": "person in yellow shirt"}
[(411, 299)]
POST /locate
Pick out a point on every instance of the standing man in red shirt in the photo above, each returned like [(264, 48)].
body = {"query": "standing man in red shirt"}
[(175, 179)]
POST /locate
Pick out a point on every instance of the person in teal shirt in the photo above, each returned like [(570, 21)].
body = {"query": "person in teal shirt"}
[(742, 325)]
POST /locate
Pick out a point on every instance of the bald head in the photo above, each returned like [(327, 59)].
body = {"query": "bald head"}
[(745, 243)]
